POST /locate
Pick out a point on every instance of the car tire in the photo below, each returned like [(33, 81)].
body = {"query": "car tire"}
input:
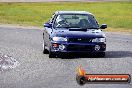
[(101, 54), (45, 51), (52, 54)]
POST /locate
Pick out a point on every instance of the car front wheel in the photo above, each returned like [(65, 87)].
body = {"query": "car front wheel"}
[(101, 54), (52, 54), (45, 51)]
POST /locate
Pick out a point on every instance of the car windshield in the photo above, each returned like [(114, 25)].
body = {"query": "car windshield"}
[(75, 21)]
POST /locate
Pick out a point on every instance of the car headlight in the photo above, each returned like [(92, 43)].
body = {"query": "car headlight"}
[(59, 39), (99, 40)]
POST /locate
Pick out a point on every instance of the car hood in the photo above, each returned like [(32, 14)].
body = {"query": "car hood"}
[(94, 33)]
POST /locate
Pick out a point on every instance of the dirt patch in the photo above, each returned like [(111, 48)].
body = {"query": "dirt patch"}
[(119, 30), (18, 26)]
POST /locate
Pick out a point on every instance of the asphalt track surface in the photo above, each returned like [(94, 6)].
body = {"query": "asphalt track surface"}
[(37, 70)]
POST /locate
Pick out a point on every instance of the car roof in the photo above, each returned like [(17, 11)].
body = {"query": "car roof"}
[(72, 12)]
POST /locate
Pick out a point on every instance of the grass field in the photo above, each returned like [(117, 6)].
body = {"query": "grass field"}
[(115, 14)]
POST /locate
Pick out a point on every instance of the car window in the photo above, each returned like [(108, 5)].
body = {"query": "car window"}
[(75, 21)]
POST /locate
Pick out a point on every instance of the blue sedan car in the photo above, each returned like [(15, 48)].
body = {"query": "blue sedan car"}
[(73, 31)]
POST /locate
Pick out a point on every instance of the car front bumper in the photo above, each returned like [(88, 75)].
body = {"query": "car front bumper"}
[(78, 47)]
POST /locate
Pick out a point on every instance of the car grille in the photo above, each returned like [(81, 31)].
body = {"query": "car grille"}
[(73, 47), (80, 40)]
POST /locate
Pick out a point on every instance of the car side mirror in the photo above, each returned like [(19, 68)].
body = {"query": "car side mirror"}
[(103, 26), (48, 25)]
